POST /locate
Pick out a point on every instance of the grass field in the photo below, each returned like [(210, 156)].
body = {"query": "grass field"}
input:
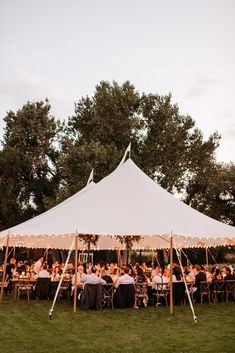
[(26, 328)]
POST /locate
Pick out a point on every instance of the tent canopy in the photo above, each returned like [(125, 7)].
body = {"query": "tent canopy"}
[(126, 202)]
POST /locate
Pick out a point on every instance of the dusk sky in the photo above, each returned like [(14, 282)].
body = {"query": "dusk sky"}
[(62, 49)]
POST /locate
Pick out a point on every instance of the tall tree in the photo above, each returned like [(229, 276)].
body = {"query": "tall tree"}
[(98, 133), (173, 150), (166, 144), (28, 176), (213, 192)]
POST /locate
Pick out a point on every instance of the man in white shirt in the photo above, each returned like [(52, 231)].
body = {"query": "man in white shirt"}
[(43, 273), (125, 279), (160, 279), (92, 278)]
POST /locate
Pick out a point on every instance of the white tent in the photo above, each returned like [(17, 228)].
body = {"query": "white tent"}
[(126, 202)]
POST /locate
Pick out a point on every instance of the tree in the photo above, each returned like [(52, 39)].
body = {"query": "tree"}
[(165, 143), (213, 192), (173, 150), (28, 175), (98, 133), (88, 239), (128, 241)]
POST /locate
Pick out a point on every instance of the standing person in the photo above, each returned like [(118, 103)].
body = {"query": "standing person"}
[(37, 266)]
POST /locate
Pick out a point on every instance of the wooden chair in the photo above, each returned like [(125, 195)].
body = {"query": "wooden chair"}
[(141, 294), (162, 291), (64, 289), (230, 290), (218, 290), (108, 290), (125, 296), (205, 291), (24, 287), (42, 288)]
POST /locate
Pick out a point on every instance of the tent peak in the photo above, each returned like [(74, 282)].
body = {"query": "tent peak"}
[(128, 150), (91, 177)]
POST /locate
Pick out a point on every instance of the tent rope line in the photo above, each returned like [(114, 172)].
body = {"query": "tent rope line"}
[(186, 288), (61, 279)]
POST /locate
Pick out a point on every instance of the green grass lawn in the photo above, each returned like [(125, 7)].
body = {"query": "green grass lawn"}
[(26, 328)]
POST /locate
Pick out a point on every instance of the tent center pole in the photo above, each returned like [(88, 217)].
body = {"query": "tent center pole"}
[(76, 272), (171, 270)]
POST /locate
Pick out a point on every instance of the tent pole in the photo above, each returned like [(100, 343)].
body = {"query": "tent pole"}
[(76, 272), (4, 268), (206, 249), (171, 270), (14, 251)]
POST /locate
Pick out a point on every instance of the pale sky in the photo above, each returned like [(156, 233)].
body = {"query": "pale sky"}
[(61, 49)]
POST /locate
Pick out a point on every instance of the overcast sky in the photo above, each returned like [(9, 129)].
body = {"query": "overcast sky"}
[(61, 49)]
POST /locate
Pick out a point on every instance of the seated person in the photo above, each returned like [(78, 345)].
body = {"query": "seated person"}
[(115, 275), (200, 276), (161, 278), (43, 273), (80, 275), (105, 276), (229, 276), (92, 278), (125, 279)]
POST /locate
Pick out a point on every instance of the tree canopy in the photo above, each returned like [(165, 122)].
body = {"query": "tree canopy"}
[(43, 161)]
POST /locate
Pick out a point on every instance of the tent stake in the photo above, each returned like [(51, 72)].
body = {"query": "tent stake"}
[(76, 271), (4, 268)]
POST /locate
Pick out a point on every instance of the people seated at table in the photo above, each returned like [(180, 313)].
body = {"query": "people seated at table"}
[(105, 276), (10, 269), (176, 274), (125, 278), (21, 268), (115, 275), (155, 272), (80, 275), (191, 274), (161, 278), (111, 268), (141, 287), (144, 267), (43, 273), (217, 275), (229, 276), (200, 276), (56, 272), (92, 278)]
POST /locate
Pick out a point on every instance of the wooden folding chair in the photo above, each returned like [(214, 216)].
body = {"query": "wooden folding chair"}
[(108, 290), (230, 290), (205, 291)]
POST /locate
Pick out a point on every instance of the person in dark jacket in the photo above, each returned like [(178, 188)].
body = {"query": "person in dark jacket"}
[(200, 276)]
